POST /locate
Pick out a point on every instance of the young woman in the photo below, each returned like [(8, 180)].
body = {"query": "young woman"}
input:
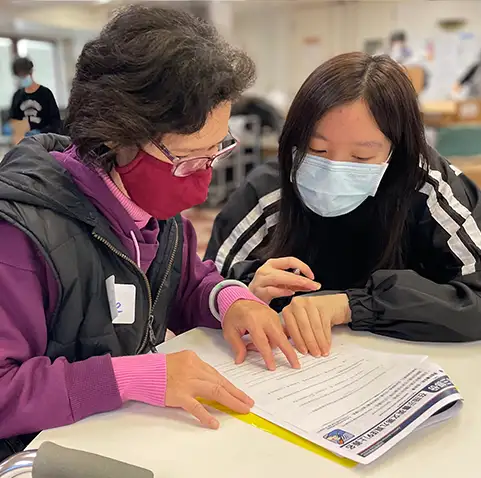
[(389, 230), (95, 263)]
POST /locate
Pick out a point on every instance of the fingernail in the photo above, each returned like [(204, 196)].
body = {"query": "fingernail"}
[(214, 424), (317, 354), (304, 351), (325, 354)]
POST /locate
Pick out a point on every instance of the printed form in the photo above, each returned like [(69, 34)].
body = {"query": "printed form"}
[(356, 403)]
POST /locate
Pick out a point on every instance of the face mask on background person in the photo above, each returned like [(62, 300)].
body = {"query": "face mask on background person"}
[(26, 82), (334, 188)]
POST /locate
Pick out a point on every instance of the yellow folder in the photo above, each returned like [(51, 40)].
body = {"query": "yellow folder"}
[(280, 432)]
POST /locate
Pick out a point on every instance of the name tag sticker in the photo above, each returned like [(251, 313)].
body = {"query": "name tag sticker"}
[(121, 301)]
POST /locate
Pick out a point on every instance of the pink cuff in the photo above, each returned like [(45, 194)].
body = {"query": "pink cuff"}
[(142, 378), (231, 294)]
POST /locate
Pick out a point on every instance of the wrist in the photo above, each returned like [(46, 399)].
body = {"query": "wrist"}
[(225, 294), (231, 295), (347, 310), (141, 378), (214, 294)]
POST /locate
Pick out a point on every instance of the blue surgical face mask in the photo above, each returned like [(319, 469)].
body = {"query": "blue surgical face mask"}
[(26, 81), (334, 188)]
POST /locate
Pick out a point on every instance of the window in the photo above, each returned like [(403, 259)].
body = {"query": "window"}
[(7, 81)]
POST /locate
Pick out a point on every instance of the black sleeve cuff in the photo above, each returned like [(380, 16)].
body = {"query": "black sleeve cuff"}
[(366, 308)]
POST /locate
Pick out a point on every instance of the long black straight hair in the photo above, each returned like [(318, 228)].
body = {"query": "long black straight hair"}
[(388, 92)]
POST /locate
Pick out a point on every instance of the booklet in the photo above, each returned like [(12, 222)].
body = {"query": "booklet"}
[(357, 403)]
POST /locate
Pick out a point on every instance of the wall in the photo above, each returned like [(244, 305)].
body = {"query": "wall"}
[(71, 17), (274, 33), (262, 32)]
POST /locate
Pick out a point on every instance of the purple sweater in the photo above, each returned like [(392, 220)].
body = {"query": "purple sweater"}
[(36, 394)]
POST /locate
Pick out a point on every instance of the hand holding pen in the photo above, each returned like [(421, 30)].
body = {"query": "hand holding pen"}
[(282, 277)]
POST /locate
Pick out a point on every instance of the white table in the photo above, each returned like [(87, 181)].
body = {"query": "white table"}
[(171, 444)]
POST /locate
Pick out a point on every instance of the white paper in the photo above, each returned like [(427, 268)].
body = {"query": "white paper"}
[(356, 403)]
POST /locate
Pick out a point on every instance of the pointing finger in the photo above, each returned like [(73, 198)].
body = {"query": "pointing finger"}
[(277, 337), (262, 344)]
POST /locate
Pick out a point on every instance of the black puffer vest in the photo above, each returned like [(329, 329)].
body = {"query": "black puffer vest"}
[(38, 196)]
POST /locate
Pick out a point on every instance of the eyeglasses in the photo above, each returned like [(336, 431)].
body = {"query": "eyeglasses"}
[(182, 167)]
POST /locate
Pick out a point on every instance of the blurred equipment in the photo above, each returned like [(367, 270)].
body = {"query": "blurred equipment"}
[(469, 111), (229, 174), (268, 114), (417, 74), (54, 461), (459, 141), (446, 113), (471, 167)]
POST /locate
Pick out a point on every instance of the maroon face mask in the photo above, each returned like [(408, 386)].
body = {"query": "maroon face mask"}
[(152, 186)]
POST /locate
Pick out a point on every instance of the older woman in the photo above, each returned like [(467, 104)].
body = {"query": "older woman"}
[(95, 263)]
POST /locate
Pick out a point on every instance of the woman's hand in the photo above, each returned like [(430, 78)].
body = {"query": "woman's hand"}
[(189, 378), (273, 280), (309, 321), (265, 329)]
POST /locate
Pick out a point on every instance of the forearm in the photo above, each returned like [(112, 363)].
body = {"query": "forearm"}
[(468, 76), (405, 305), (191, 305), (200, 302), (38, 394)]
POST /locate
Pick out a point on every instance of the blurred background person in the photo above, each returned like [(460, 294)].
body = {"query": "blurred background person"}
[(469, 84), (399, 49), (415, 63), (34, 109)]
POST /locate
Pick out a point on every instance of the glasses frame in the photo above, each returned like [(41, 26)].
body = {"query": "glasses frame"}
[(209, 160)]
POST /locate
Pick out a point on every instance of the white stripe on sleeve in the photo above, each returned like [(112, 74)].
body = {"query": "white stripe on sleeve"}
[(254, 214), (455, 243), (256, 239), (469, 225)]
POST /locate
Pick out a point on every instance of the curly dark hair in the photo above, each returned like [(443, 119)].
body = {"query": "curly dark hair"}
[(151, 71)]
